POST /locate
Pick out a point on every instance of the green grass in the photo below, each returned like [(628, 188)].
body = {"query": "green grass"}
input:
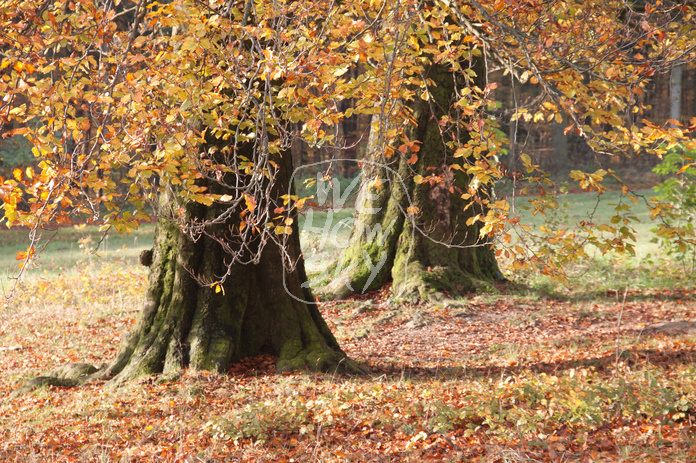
[(577, 207), (323, 234), (68, 248), (647, 267)]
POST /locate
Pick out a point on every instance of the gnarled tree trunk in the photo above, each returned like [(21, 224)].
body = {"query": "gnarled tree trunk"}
[(259, 310), (434, 251)]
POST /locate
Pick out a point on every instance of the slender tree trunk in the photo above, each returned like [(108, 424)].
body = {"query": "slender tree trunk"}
[(675, 93), (186, 324), (433, 252)]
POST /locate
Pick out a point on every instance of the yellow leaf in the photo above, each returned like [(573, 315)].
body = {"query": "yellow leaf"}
[(250, 201), (577, 174), (684, 168)]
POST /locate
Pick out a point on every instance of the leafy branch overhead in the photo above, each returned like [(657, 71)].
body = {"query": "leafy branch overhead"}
[(198, 96)]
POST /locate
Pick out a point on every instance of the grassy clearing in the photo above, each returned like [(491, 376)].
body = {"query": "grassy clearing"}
[(528, 372), (609, 273), (71, 248)]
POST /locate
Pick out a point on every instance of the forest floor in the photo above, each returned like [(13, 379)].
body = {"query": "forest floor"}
[(517, 374)]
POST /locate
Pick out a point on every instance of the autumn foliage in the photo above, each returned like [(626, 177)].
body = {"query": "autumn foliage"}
[(121, 100), (200, 102)]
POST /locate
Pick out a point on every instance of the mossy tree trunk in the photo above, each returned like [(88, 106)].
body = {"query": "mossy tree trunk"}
[(187, 324), (434, 252)]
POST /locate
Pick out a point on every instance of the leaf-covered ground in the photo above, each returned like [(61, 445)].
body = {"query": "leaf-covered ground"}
[(509, 376)]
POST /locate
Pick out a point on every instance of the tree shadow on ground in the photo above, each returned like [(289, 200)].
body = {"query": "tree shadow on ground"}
[(603, 365), (601, 294)]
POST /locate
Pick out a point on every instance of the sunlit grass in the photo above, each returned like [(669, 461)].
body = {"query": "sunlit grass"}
[(70, 248)]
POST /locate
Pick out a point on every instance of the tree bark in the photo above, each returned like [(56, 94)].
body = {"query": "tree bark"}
[(675, 93), (561, 160), (186, 324), (434, 252)]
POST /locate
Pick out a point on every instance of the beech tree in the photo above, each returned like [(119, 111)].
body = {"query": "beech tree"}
[(196, 104), (435, 226), (419, 228)]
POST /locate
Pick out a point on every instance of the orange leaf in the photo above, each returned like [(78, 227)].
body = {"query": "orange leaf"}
[(250, 201), (413, 159), (684, 168), (28, 255)]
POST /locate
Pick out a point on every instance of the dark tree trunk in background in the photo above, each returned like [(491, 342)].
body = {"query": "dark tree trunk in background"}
[(186, 324), (386, 245), (561, 160)]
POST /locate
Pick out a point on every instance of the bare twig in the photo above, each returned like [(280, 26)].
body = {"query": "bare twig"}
[(618, 331)]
